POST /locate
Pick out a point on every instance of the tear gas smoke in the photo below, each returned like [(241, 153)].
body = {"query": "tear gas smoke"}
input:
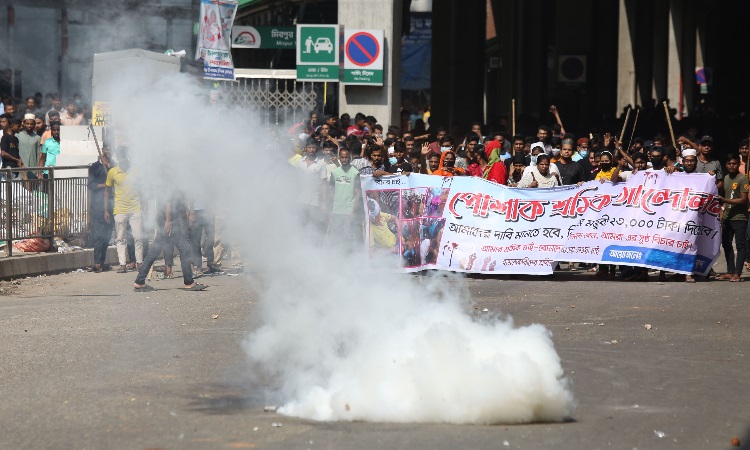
[(339, 336)]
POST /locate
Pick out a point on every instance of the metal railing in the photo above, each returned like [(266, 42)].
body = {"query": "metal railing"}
[(38, 205)]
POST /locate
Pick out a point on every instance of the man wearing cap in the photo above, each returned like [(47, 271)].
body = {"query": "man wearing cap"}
[(706, 162), (582, 149), (29, 143)]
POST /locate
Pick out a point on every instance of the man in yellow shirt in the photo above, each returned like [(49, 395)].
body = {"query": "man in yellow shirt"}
[(127, 209)]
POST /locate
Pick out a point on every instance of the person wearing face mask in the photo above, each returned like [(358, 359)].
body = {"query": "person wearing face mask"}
[(606, 166), (448, 166), (657, 160), (556, 147), (400, 166), (582, 149)]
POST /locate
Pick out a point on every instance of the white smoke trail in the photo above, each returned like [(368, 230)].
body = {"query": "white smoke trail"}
[(341, 338)]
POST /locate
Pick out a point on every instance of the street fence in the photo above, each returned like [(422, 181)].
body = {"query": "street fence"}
[(35, 207)]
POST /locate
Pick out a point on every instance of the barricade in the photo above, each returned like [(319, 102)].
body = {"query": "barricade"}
[(44, 206)]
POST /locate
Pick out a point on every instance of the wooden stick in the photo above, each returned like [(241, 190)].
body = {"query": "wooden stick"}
[(624, 125), (669, 122), (635, 122), (99, 150), (513, 126)]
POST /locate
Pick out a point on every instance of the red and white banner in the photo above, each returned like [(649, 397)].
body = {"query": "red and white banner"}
[(468, 224)]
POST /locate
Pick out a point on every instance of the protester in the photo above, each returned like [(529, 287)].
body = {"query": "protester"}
[(50, 149), (447, 165), (127, 208), (171, 231), (346, 191), (28, 144), (734, 218), (707, 163), (571, 172), (200, 223), (518, 168), (9, 147), (540, 175), (101, 228)]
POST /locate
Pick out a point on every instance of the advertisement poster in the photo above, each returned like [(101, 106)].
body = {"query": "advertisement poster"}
[(214, 38)]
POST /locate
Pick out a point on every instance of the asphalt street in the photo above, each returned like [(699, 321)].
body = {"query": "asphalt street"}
[(89, 364)]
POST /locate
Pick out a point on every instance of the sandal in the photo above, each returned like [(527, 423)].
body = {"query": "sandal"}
[(195, 287), (689, 279), (723, 277), (736, 279), (122, 269), (144, 288)]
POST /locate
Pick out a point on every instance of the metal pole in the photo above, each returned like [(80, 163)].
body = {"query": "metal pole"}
[(51, 202), (8, 214)]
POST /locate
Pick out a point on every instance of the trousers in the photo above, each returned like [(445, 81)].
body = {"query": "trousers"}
[(164, 241), (136, 227)]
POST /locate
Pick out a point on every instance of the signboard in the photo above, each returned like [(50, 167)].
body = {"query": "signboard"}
[(214, 30), (264, 37), (363, 57), (100, 114), (318, 52)]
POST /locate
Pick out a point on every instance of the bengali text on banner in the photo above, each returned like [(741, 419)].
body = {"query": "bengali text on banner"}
[(467, 224)]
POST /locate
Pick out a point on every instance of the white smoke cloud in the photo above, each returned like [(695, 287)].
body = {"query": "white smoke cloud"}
[(340, 336)]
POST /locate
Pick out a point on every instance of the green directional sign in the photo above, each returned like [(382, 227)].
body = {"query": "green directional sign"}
[(317, 52)]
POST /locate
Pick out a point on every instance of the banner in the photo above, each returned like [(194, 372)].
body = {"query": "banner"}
[(214, 38), (468, 224)]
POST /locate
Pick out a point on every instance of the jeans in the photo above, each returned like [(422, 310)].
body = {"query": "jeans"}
[(203, 222), (101, 233), (734, 229), (166, 242)]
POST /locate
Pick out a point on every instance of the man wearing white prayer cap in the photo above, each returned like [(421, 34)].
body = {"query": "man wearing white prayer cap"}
[(689, 160), (29, 144)]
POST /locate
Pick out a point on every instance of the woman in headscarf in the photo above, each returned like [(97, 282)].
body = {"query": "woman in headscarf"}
[(448, 165), (496, 170)]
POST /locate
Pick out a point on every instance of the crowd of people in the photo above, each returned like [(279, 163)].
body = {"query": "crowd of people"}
[(116, 202), (30, 132), (331, 154)]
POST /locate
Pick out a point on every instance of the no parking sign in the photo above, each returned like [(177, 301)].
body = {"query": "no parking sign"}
[(363, 57)]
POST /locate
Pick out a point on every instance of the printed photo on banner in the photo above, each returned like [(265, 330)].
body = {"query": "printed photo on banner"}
[(430, 234), (382, 226), (435, 201), (410, 242), (412, 203)]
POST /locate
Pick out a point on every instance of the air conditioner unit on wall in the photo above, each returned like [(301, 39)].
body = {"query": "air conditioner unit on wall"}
[(571, 68)]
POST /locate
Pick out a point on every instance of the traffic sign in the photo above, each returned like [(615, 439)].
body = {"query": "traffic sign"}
[(318, 52), (363, 57), (362, 49)]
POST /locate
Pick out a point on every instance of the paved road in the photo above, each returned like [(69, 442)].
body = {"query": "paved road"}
[(89, 364)]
